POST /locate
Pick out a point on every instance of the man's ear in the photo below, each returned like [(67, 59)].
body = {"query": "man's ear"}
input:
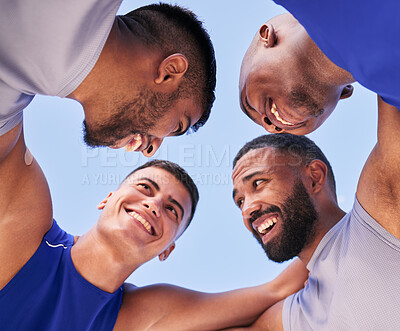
[(172, 67), (164, 255), (317, 171), (267, 35), (346, 92), (103, 203)]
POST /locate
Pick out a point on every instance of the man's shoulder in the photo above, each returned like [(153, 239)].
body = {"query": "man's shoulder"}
[(48, 290)]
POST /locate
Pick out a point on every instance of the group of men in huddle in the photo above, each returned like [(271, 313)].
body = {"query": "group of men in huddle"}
[(150, 74)]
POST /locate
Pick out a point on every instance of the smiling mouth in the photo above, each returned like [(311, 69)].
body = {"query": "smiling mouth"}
[(274, 111), (275, 115), (147, 226), (266, 226)]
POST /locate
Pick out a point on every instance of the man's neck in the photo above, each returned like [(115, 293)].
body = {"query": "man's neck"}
[(100, 265), (327, 219)]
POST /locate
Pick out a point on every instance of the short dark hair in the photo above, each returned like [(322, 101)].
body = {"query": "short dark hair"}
[(174, 29), (299, 146), (180, 174)]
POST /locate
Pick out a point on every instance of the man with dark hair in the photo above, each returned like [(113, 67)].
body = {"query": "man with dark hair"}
[(180, 174), (51, 280), (302, 149), (139, 77), (298, 67), (284, 187)]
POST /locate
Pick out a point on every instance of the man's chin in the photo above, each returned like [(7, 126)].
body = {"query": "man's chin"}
[(94, 140), (278, 258), (95, 143), (276, 254)]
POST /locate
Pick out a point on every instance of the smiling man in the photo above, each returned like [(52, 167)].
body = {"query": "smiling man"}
[(285, 188), (295, 71), (139, 77), (51, 280)]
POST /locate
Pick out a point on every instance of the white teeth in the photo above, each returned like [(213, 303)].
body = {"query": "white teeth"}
[(265, 225), (276, 113), (137, 138), (142, 221)]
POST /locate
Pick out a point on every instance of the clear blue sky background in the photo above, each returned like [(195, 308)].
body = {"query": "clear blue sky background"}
[(216, 253)]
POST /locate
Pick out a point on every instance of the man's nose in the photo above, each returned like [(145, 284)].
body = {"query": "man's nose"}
[(155, 143), (249, 208), (153, 206), (267, 124)]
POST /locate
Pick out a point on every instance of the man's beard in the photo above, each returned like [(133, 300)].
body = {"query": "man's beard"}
[(298, 217), (138, 116)]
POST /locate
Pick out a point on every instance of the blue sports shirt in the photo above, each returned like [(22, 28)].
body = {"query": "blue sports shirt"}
[(362, 37), (48, 293)]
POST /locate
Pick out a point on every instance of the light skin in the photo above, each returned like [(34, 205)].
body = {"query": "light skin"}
[(378, 192), (286, 83), (139, 221), (125, 68), (110, 85)]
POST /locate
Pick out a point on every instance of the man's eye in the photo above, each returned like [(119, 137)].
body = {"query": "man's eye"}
[(144, 186), (179, 129), (258, 182), (172, 210)]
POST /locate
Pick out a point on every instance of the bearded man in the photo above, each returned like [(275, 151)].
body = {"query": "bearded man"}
[(285, 188)]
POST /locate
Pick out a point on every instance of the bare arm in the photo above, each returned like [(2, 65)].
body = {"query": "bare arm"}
[(379, 185), (8, 141), (270, 320), (25, 205), (166, 307)]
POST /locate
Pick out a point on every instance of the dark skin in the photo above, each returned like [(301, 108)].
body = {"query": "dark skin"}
[(286, 83), (378, 192)]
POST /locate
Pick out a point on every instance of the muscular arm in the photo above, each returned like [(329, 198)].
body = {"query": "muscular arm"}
[(25, 205), (166, 307), (379, 185)]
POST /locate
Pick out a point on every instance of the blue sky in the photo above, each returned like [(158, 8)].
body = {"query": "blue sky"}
[(216, 252)]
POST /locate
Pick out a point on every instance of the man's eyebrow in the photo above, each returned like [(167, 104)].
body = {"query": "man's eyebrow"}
[(152, 182), (248, 177), (234, 193), (178, 205), (243, 106)]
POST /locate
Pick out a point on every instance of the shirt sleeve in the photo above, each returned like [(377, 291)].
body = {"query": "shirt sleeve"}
[(7, 125), (293, 315)]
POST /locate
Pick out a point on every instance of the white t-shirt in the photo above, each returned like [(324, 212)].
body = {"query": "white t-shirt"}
[(48, 47), (354, 281)]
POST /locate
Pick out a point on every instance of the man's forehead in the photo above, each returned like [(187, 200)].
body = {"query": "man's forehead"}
[(158, 175), (165, 182), (163, 178), (258, 160)]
